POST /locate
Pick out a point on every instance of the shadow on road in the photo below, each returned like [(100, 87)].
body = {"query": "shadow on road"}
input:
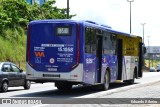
[(11, 90), (75, 92)]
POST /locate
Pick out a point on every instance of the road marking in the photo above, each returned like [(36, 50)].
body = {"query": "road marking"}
[(41, 105)]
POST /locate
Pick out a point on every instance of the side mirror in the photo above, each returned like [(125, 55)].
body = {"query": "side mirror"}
[(21, 70), (144, 50), (5, 69)]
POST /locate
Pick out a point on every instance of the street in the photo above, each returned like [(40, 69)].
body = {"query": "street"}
[(146, 87), (49, 90)]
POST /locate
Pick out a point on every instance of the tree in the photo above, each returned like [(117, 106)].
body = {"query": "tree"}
[(14, 18), (19, 12)]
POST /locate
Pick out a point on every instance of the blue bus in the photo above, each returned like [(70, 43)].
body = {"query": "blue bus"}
[(71, 52)]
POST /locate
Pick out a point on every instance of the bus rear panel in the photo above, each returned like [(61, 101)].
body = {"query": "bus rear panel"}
[(53, 51)]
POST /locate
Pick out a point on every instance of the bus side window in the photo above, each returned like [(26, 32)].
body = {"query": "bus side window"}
[(90, 40), (114, 43), (109, 43)]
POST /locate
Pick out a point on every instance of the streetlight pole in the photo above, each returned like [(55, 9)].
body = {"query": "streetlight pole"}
[(67, 9), (143, 30), (130, 15), (148, 51)]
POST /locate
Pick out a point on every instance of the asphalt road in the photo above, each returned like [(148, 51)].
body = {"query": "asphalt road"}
[(49, 90), (146, 87)]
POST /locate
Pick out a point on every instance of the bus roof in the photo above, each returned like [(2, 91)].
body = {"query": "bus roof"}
[(85, 22)]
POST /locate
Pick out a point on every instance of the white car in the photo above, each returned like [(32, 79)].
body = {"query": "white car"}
[(152, 69), (158, 67)]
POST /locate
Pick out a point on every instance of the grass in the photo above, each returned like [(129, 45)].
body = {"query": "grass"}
[(13, 46), (153, 63)]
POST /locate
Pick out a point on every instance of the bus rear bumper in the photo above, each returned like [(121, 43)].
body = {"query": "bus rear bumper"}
[(41, 80), (75, 75)]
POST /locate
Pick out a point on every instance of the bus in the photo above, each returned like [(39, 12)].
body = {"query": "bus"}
[(72, 52)]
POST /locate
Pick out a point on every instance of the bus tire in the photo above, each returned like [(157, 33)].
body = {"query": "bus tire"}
[(63, 86), (105, 85)]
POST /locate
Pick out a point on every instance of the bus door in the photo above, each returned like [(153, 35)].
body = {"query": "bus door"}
[(141, 60), (93, 56), (99, 58), (120, 58)]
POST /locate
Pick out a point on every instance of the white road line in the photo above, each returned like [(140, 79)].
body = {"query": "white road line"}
[(41, 105)]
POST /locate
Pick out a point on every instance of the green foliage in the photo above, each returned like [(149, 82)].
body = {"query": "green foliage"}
[(19, 12), (14, 18)]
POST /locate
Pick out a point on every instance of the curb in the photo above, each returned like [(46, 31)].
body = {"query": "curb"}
[(112, 91)]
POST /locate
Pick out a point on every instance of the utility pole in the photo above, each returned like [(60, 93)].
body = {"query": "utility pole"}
[(130, 1), (67, 9), (143, 30)]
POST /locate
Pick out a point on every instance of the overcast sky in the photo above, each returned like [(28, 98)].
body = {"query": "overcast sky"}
[(115, 13)]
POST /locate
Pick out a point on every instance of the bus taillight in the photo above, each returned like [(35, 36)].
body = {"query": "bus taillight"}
[(78, 46), (28, 43)]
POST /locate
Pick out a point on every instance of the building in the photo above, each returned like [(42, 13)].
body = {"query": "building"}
[(40, 2), (153, 49), (153, 52)]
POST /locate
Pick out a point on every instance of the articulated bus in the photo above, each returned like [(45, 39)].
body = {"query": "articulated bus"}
[(71, 52)]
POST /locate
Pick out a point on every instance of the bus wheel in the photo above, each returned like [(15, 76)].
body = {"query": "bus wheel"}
[(105, 85), (63, 86), (130, 81)]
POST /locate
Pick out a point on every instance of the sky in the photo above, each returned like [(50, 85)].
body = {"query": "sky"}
[(116, 13)]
